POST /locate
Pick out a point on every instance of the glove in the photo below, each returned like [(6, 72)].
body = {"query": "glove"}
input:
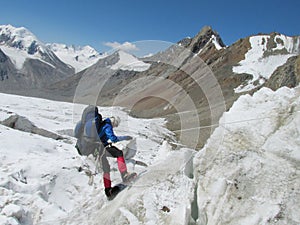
[(125, 138)]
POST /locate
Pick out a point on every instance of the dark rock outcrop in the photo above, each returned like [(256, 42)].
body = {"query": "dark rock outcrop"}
[(23, 124), (287, 75)]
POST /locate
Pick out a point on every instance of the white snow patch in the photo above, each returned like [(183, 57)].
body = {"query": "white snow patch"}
[(129, 62), (263, 67), (215, 42)]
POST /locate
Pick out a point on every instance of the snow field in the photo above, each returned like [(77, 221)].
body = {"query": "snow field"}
[(40, 182), (252, 177)]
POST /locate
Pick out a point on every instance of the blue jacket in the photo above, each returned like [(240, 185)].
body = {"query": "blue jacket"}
[(105, 133), (104, 130)]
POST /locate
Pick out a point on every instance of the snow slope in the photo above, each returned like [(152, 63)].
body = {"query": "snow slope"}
[(253, 176), (261, 66), (40, 182)]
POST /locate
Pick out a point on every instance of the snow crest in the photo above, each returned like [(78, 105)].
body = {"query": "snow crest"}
[(253, 176)]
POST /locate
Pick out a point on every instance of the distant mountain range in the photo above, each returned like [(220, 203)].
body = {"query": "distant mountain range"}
[(147, 85), (76, 56), (28, 64)]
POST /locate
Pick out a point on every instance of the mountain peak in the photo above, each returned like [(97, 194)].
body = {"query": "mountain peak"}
[(129, 62), (206, 36), (17, 31), (20, 38), (205, 30)]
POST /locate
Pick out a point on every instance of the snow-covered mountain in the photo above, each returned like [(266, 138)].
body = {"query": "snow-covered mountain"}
[(20, 44), (247, 173), (28, 66), (78, 57), (27, 63), (128, 62)]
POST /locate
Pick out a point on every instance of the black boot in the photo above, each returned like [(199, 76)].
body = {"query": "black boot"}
[(111, 193), (108, 191)]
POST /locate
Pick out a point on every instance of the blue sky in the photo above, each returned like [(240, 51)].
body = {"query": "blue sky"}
[(97, 23)]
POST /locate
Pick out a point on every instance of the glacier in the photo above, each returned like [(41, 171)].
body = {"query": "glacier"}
[(247, 173)]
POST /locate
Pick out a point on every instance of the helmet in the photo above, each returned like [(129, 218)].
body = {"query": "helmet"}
[(115, 121)]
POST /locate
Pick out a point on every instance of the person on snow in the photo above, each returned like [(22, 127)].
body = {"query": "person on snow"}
[(96, 137)]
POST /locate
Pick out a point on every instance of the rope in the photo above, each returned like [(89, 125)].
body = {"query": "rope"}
[(98, 163), (234, 122), (182, 168)]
